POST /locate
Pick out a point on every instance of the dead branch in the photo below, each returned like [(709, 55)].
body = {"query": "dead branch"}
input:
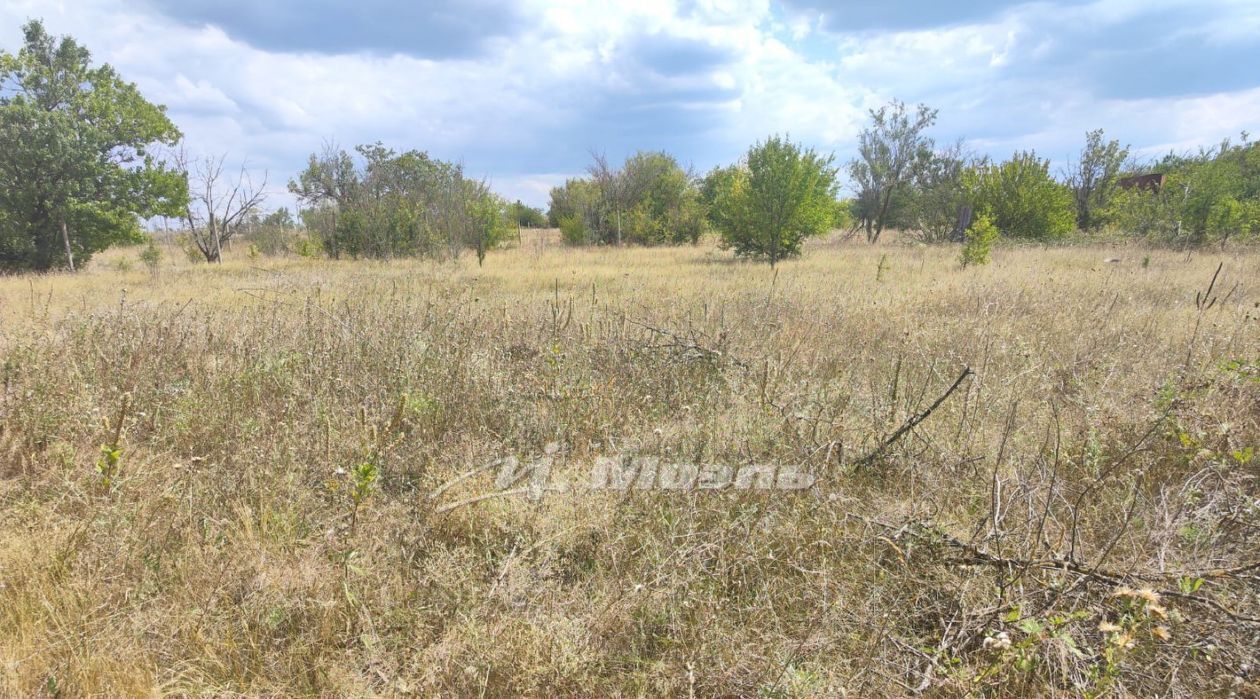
[(913, 421)]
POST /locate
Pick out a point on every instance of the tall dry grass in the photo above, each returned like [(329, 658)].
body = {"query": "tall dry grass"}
[(186, 510)]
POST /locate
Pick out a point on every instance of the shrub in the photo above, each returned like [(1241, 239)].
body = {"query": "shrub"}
[(273, 240), (573, 230), (1230, 218), (781, 195), (151, 256), (978, 241), (308, 247), (650, 200), (1022, 199)]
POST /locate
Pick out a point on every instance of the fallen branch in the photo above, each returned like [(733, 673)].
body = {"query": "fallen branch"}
[(913, 421), (689, 344), (975, 556)]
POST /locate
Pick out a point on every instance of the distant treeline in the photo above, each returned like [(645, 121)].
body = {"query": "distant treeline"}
[(84, 158)]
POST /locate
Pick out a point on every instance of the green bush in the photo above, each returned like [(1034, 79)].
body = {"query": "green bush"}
[(1229, 218), (978, 241), (650, 200), (842, 214), (273, 240), (308, 247), (573, 230), (151, 256), (781, 195), (1022, 199)]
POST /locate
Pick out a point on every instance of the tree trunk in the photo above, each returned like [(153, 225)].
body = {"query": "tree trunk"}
[(959, 234), (879, 221), (65, 237)]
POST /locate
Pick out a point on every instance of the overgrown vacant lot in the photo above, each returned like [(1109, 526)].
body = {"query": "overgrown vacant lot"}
[(220, 480)]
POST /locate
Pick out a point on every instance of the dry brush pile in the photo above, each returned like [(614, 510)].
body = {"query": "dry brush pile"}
[(238, 480)]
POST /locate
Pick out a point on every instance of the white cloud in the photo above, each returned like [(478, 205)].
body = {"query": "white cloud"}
[(705, 80)]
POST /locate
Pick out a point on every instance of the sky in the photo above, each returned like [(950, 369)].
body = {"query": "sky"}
[(523, 93)]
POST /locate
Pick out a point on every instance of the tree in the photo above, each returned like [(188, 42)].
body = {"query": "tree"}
[(663, 204), (940, 209), (779, 196), (79, 161), (1093, 178), (1152, 214), (575, 200), (327, 186), (488, 219), (217, 206), (1022, 199), (526, 216), (892, 151), (396, 204), (650, 200), (716, 185), (280, 218)]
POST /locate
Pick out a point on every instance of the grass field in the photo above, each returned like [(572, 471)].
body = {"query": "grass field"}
[(242, 479)]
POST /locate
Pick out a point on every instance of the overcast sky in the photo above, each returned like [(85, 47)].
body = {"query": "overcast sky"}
[(523, 92)]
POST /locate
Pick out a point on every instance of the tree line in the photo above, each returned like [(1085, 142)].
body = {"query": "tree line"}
[(85, 160)]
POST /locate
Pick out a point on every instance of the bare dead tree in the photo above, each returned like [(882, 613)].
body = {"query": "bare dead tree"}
[(217, 205)]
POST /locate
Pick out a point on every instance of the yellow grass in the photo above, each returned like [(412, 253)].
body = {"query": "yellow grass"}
[(1102, 443)]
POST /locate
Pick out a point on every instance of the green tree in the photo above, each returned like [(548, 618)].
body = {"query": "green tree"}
[(526, 216), (392, 204), (649, 200), (577, 199), (1230, 218), (280, 218), (714, 187), (78, 167), (1022, 199), (781, 195), (1093, 178), (488, 219), (892, 151), (1154, 214), (939, 208)]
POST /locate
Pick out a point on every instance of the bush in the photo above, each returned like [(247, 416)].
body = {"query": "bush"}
[(526, 216), (395, 205), (151, 256), (978, 241), (573, 230), (781, 195), (842, 215), (1022, 199), (273, 240), (1230, 218), (651, 200), (308, 247)]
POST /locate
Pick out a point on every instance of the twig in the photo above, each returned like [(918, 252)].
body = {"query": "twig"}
[(913, 421)]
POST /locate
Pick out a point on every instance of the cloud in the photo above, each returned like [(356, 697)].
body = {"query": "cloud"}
[(430, 29), (848, 16), (523, 93)]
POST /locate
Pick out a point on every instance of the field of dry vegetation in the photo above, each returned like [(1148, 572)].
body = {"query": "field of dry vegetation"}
[(220, 480)]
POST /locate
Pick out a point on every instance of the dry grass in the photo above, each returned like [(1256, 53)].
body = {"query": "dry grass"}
[(1011, 544)]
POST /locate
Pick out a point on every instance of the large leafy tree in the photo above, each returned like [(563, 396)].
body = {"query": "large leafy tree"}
[(779, 196), (77, 161)]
